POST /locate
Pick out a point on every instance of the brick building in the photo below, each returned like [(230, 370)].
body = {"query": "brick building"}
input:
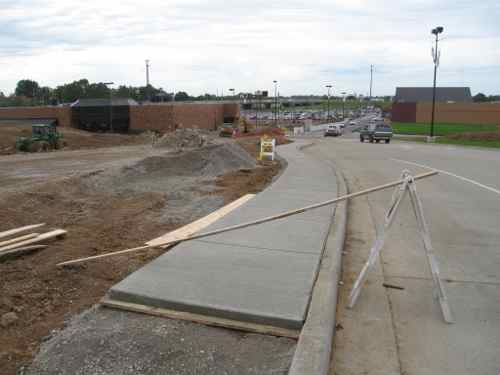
[(453, 105), (151, 116)]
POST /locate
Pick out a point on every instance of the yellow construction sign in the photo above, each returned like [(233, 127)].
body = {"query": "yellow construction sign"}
[(267, 148)]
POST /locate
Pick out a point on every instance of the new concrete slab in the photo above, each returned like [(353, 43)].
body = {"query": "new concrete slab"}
[(262, 274)]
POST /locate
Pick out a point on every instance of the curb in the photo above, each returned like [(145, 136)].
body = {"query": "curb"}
[(314, 348)]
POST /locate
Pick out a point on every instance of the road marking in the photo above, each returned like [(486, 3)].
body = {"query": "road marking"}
[(450, 174)]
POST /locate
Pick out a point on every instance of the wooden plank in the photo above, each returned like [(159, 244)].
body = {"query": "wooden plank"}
[(11, 232), (19, 239), (171, 238), (21, 250), (250, 223), (40, 238), (202, 319), (199, 224)]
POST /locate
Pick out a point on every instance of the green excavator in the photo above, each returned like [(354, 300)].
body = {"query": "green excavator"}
[(44, 137)]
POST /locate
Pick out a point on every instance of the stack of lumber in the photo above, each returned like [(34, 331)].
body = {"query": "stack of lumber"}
[(10, 245)]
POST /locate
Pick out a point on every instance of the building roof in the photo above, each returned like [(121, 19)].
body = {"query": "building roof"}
[(424, 94), (116, 102)]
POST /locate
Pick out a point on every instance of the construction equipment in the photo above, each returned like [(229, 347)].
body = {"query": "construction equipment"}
[(44, 137)]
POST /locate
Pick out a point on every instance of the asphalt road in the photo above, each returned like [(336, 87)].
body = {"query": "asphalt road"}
[(393, 331)]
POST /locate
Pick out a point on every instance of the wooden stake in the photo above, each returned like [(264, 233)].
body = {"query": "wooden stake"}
[(18, 239), (8, 233), (252, 223), (22, 250), (202, 319), (40, 238)]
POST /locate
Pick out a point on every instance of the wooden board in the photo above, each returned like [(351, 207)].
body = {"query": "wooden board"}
[(202, 319), (198, 225), (21, 250), (11, 232), (40, 238), (161, 242), (19, 239)]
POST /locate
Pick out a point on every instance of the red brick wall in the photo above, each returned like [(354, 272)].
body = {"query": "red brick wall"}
[(62, 114), (160, 117), (460, 113), (152, 117), (166, 117), (404, 112)]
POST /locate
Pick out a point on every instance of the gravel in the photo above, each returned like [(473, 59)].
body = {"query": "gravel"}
[(186, 178), (112, 342)]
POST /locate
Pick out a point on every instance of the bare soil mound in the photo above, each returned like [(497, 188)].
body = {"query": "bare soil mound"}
[(167, 172), (184, 138)]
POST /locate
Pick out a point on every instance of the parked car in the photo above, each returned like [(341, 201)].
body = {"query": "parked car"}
[(377, 133), (333, 130), (226, 130)]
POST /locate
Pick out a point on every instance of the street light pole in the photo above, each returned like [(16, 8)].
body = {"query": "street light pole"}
[(328, 105), (275, 103), (343, 105), (110, 105), (435, 56), (371, 81)]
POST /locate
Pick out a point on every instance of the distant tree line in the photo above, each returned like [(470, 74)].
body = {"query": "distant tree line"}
[(29, 93), (481, 98)]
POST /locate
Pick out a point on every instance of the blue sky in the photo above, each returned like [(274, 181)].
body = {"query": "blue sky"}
[(209, 46)]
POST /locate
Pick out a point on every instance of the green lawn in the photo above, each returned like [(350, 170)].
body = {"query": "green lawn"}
[(458, 142), (464, 142), (439, 129)]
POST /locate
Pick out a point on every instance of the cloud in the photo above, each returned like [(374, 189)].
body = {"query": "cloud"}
[(204, 46)]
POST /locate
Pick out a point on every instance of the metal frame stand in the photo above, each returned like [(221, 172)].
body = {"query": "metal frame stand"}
[(408, 186)]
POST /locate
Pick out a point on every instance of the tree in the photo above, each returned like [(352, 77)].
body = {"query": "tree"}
[(44, 94), (27, 88), (480, 97), (181, 96), (70, 92)]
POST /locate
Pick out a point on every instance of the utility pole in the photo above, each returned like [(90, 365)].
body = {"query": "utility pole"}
[(328, 111), (110, 105), (371, 81), (147, 80), (435, 56)]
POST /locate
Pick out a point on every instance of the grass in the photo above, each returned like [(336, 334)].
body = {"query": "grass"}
[(439, 128), (469, 142), (458, 142)]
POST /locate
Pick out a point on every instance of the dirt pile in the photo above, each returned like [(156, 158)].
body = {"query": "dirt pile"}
[(184, 138), (167, 172), (187, 178)]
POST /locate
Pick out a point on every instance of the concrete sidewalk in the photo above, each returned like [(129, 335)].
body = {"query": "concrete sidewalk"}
[(262, 274)]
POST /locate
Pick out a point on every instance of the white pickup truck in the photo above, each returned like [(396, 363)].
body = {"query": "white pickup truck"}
[(333, 130)]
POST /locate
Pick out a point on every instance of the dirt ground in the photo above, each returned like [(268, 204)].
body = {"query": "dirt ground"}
[(98, 219), (75, 139)]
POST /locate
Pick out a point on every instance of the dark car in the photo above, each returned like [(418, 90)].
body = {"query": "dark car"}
[(377, 133)]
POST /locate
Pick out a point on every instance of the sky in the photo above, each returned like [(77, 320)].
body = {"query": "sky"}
[(213, 45)]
